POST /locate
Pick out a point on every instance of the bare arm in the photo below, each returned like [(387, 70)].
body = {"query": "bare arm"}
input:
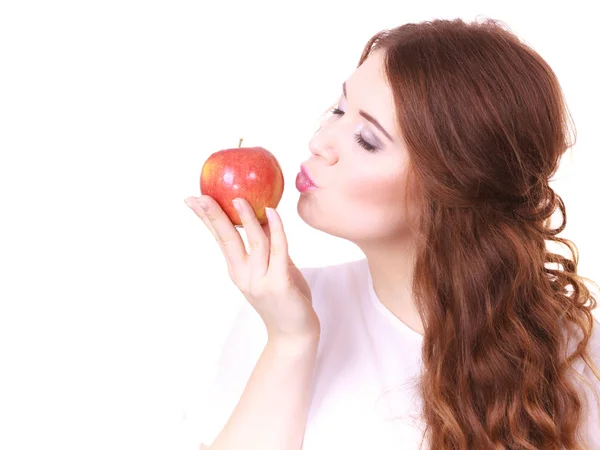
[(272, 411)]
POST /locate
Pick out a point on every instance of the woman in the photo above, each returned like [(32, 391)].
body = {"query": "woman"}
[(460, 329)]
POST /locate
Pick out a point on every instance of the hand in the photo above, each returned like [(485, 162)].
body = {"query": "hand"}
[(265, 274)]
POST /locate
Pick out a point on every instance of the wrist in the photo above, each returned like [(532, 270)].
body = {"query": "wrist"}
[(305, 334), (297, 344)]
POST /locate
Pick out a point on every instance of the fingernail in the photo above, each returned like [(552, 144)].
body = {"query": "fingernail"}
[(188, 201), (203, 205), (270, 214), (237, 205)]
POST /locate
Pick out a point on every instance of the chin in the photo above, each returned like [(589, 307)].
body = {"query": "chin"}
[(366, 230), (316, 219), (332, 224)]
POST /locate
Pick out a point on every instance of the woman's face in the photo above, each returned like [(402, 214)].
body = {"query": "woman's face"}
[(360, 191)]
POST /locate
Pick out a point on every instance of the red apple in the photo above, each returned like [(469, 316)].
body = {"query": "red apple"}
[(252, 173)]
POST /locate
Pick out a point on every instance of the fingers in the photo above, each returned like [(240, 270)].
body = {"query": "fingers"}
[(227, 236), (268, 247), (278, 255), (267, 230), (258, 243)]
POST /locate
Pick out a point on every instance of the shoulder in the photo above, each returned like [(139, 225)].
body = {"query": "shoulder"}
[(593, 349), (336, 283), (589, 383), (574, 335), (340, 275), (338, 268)]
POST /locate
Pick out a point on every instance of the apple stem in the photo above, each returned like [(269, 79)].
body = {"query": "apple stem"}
[(240, 144)]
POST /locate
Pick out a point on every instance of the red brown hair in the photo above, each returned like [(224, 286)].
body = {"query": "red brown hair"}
[(485, 124)]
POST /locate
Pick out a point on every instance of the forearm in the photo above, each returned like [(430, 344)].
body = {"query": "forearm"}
[(272, 411)]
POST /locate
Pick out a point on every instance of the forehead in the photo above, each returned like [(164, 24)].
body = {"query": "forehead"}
[(368, 89)]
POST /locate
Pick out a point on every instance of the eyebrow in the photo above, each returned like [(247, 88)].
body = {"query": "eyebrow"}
[(369, 117)]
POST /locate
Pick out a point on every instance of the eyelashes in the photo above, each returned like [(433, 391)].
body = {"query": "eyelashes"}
[(359, 139), (364, 144)]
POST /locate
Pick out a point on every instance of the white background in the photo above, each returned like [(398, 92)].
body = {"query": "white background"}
[(114, 297)]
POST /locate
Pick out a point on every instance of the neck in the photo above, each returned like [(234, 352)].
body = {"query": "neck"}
[(391, 265)]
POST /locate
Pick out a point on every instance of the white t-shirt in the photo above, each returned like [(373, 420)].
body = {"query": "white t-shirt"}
[(363, 393)]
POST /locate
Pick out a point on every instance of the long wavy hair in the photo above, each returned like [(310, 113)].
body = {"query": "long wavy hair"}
[(485, 123)]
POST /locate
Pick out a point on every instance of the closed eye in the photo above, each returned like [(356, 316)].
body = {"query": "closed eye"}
[(361, 141)]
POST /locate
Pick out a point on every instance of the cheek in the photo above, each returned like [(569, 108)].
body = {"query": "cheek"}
[(367, 206), (377, 203), (379, 194)]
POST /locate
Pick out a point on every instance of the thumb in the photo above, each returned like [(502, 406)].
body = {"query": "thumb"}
[(278, 257), (267, 229), (291, 264)]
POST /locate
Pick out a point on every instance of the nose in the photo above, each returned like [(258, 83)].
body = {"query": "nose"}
[(322, 144)]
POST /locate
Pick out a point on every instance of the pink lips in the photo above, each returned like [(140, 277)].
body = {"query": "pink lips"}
[(307, 175), (303, 181)]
